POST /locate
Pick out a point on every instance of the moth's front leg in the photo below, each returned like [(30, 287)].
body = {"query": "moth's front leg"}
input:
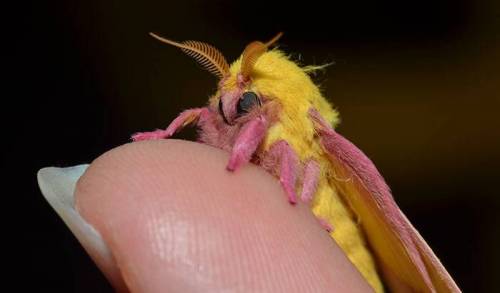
[(185, 118), (247, 142)]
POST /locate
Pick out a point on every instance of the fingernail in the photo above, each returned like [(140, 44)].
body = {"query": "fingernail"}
[(58, 188)]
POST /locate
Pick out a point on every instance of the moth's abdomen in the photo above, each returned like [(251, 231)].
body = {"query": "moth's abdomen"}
[(328, 205)]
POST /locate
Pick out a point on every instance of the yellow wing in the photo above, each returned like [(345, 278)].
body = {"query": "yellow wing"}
[(406, 261)]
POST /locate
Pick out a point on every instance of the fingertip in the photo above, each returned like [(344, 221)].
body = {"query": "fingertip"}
[(176, 220)]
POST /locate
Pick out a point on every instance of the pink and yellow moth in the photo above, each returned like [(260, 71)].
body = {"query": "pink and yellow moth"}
[(266, 110)]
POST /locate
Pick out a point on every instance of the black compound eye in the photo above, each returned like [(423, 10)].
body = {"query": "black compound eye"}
[(247, 101)]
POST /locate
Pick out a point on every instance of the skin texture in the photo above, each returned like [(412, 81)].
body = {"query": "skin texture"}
[(177, 221)]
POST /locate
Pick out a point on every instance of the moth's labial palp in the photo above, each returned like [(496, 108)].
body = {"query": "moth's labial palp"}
[(221, 111)]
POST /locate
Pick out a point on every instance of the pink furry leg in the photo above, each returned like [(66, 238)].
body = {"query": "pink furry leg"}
[(185, 118), (247, 141), (311, 176), (309, 186), (288, 167)]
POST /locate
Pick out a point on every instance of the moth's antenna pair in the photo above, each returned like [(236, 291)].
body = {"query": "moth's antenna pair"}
[(213, 60)]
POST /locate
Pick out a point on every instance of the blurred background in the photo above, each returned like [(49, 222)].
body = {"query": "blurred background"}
[(416, 83)]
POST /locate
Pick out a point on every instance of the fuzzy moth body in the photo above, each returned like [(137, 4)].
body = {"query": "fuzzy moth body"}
[(266, 110)]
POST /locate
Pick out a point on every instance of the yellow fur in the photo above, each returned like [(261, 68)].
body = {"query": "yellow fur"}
[(276, 77)]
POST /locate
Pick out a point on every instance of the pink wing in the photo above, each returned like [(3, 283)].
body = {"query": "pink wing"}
[(406, 261)]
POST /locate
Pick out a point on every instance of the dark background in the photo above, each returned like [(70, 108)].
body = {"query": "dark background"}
[(416, 83)]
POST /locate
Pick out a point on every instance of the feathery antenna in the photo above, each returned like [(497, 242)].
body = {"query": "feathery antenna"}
[(252, 53), (207, 55)]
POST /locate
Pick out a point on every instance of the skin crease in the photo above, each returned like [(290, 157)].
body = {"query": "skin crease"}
[(177, 221)]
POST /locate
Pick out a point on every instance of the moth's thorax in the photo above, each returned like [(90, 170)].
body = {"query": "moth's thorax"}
[(279, 78)]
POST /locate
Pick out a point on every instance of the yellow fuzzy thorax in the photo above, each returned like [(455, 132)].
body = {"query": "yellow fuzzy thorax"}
[(278, 78)]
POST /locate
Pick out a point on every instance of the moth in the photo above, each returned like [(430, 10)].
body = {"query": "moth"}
[(268, 111)]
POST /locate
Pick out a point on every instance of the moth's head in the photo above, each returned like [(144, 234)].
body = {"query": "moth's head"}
[(259, 77)]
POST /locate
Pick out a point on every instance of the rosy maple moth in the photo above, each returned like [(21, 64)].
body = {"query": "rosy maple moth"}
[(267, 110)]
